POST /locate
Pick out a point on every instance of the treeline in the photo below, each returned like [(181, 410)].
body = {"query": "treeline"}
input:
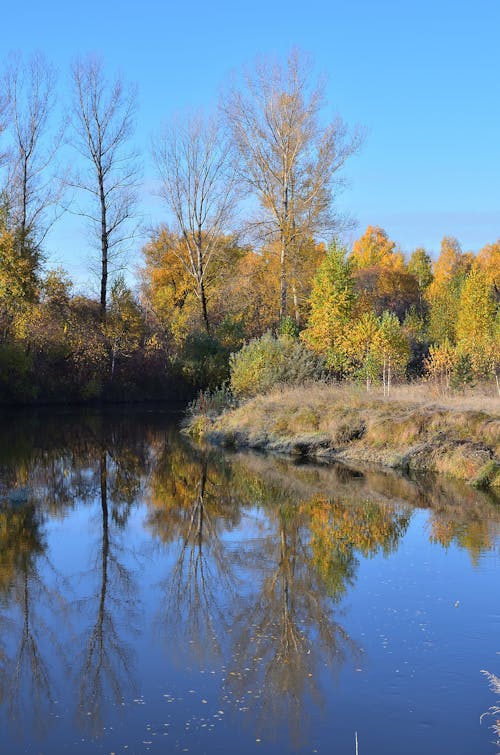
[(250, 197)]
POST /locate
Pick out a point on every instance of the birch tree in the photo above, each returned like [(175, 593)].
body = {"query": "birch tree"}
[(34, 187), (198, 184), (290, 161), (102, 126), (3, 126)]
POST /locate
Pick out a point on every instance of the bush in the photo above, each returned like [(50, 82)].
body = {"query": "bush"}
[(211, 403), (16, 379), (266, 362), (203, 361), (288, 327), (463, 373)]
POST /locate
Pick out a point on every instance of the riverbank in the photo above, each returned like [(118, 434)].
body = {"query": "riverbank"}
[(458, 438)]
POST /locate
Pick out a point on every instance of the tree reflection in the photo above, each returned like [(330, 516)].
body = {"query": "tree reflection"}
[(340, 528), (258, 555), (26, 681), (61, 465), (106, 670), (469, 529), (304, 564), (288, 629), (191, 509)]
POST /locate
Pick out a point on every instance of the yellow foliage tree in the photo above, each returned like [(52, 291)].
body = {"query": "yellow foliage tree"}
[(332, 301), (475, 330), (375, 248), (360, 345), (488, 260), (167, 287), (441, 362), (443, 294)]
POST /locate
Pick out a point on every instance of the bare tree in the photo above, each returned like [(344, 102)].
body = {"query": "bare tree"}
[(102, 124), (3, 125), (198, 183), (34, 187), (289, 160)]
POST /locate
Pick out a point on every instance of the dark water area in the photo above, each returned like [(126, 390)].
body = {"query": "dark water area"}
[(160, 597)]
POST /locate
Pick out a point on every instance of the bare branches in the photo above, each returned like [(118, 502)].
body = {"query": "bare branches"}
[(198, 183), (102, 125), (289, 161), (34, 184), (3, 124)]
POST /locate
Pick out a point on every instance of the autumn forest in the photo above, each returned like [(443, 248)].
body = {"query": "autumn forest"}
[(251, 258)]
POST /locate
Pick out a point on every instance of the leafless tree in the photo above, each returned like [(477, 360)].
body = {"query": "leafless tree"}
[(198, 183), (34, 187), (3, 125), (290, 162), (102, 126)]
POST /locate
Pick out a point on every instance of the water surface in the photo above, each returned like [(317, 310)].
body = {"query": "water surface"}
[(157, 597)]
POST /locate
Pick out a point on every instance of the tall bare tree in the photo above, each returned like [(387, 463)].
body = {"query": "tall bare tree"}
[(33, 186), (198, 183), (102, 125), (3, 125), (289, 160)]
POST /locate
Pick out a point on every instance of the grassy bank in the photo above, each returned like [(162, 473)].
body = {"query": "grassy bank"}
[(458, 437)]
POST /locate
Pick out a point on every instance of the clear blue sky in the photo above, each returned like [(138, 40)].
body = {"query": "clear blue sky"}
[(421, 77)]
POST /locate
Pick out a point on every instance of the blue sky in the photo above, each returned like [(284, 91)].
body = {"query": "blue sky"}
[(421, 77)]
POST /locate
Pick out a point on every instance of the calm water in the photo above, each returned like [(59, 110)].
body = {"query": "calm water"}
[(160, 598)]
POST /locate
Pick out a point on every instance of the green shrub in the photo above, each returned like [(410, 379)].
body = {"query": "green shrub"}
[(203, 361), (288, 327), (16, 379), (266, 362), (463, 373)]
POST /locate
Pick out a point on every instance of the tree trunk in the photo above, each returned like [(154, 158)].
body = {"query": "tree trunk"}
[(283, 287), (201, 282), (204, 310), (104, 251), (24, 211), (296, 304), (283, 252)]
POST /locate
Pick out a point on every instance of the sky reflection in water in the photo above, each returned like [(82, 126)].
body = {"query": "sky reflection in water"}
[(159, 597)]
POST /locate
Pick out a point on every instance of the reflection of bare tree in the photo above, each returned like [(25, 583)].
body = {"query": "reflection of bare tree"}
[(106, 666), (26, 681), (289, 630), (191, 512)]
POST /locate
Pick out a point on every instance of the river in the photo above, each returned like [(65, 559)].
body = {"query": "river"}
[(160, 597)]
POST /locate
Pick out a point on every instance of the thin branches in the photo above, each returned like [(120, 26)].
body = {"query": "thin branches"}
[(288, 160), (102, 126), (198, 183), (34, 183)]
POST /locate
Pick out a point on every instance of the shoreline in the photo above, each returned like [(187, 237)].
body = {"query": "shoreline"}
[(329, 424)]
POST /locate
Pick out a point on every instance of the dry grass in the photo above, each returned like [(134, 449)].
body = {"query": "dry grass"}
[(421, 394), (456, 436), (495, 709)]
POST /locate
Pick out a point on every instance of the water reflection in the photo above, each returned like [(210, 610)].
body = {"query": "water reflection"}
[(191, 506), (106, 668), (254, 559), (288, 630), (26, 680)]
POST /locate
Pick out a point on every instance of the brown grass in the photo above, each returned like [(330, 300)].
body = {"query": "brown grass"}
[(456, 436)]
